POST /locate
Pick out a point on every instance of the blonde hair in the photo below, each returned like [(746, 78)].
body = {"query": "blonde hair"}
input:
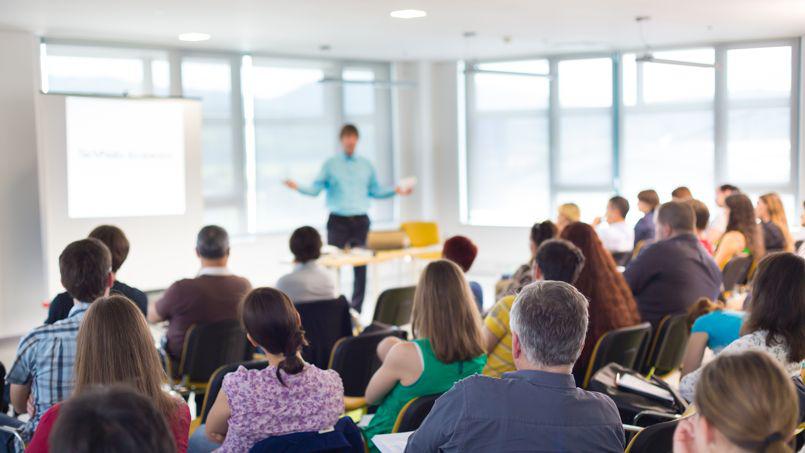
[(749, 399), (445, 313), (115, 346), (774, 206), (570, 211)]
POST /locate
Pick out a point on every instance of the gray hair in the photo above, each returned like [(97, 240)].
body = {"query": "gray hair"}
[(550, 319), (212, 242)]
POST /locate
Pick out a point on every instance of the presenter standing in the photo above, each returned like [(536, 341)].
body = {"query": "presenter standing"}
[(350, 181)]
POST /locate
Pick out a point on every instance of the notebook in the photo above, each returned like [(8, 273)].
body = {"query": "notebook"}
[(634, 384)]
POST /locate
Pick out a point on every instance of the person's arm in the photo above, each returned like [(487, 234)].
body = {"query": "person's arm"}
[(401, 362), (378, 191), (694, 352), (314, 189), (439, 426), (21, 374), (153, 315), (218, 418), (731, 244), (490, 340), (162, 309), (496, 325), (385, 346), (638, 271), (19, 397)]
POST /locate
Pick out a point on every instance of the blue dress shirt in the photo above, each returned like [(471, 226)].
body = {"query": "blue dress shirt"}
[(350, 182)]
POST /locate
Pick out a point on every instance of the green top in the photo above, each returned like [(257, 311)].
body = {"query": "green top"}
[(436, 377)]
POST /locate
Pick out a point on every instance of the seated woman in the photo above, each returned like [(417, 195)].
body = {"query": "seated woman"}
[(115, 346), (776, 235), (462, 251), (612, 304), (113, 238), (448, 347), (776, 316), (743, 236), (647, 202), (566, 214), (289, 396), (745, 403), (524, 275), (308, 281), (712, 327)]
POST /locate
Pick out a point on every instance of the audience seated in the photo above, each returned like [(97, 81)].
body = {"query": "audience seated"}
[(212, 296), (537, 407), (776, 316), (718, 222), (616, 235), (566, 214), (114, 239), (556, 259), (702, 214), (448, 347), (674, 272), (711, 327), (111, 419), (681, 193), (776, 236), (115, 346), (524, 275), (647, 202), (743, 236), (308, 281), (42, 373), (462, 251), (611, 303), (744, 402), (289, 396)]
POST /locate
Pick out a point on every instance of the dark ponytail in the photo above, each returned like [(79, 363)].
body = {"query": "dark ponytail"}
[(272, 321)]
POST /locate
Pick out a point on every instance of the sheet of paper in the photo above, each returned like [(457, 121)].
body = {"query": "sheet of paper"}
[(391, 443)]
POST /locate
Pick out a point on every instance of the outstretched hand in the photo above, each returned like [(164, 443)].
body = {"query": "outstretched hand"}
[(291, 184)]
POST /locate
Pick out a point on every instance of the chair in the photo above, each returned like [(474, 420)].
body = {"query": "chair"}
[(657, 438), (15, 443), (622, 346), (736, 272), (345, 437), (394, 306), (214, 386), (355, 359), (668, 346), (413, 413), (421, 234), (622, 258), (324, 322)]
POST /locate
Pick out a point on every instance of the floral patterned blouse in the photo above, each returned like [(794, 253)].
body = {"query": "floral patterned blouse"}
[(261, 406)]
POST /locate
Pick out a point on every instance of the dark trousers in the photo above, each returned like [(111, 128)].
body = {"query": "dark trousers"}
[(351, 231)]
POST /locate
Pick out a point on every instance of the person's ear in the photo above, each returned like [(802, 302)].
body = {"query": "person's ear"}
[(707, 430), (537, 272), (517, 348), (251, 340)]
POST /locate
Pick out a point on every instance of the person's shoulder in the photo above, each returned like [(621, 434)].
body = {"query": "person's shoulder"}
[(130, 291), (329, 377), (403, 355), (604, 402)]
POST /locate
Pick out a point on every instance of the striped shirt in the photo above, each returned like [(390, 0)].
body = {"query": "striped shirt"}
[(497, 321), (45, 360)]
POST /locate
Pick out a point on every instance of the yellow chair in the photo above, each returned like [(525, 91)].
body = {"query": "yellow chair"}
[(422, 234), (413, 413)]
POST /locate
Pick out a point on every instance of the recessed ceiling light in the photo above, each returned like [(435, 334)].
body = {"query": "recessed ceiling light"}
[(194, 37), (408, 13)]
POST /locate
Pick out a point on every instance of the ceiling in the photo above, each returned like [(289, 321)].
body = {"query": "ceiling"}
[(362, 29)]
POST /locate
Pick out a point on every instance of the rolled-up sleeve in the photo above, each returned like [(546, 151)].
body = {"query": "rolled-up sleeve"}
[(21, 371), (440, 424)]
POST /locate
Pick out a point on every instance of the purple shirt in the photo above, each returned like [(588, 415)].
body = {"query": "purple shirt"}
[(262, 407)]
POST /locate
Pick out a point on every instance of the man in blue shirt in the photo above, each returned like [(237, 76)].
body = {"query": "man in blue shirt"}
[(537, 407), (350, 182)]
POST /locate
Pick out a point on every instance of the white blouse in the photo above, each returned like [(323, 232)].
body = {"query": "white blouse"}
[(755, 341)]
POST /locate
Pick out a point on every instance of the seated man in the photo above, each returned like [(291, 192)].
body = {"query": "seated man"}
[(616, 235), (462, 251), (674, 272), (557, 259), (213, 296), (308, 281), (117, 243), (43, 369), (537, 407)]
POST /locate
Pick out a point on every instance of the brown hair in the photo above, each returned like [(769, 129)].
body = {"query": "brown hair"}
[(742, 219), (682, 193), (649, 197), (612, 304), (115, 346), (777, 216), (273, 322), (702, 307), (701, 212), (348, 129), (445, 313), (84, 266), (778, 302), (749, 399), (114, 238)]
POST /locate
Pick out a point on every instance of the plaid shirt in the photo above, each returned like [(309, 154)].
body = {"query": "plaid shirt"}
[(45, 360)]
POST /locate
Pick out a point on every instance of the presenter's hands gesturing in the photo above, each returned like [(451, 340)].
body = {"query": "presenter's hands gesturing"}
[(403, 190), (291, 184)]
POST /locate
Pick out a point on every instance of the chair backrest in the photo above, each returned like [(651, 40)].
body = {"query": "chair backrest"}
[(736, 272), (657, 438), (668, 345), (209, 346), (217, 379), (355, 359), (622, 258), (422, 234), (621, 346), (394, 306), (413, 413), (324, 322), (345, 437)]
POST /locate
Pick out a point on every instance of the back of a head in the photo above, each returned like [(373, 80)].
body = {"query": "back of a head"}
[(570, 211), (445, 313), (305, 244), (110, 420), (750, 400), (460, 250), (682, 193), (778, 301), (271, 319), (742, 219), (550, 319), (701, 212), (678, 215), (212, 242), (115, 240), (650, 197), (728, 188), (543, 231), (85, 266), (560, 260), (620, 204)]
